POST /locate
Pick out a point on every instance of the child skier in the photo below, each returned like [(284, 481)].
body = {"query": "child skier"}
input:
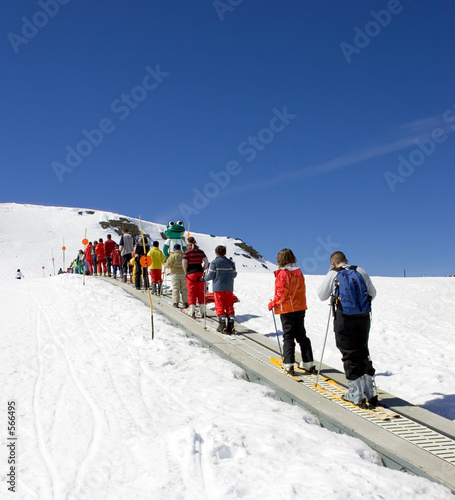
[(116, 259), (158, 259), (290, 303), (19, 274), (352, 291), (222, 272)]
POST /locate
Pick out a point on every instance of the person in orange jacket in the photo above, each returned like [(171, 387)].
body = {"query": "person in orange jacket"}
[(290, 303)]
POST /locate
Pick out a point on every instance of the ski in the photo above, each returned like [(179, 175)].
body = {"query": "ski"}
[(374, 412), (279, 365), (378, 412)]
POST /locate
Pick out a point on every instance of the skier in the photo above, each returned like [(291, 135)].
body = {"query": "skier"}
[(222, 272), (174, 264), (290, 303), (158, 259), (101, 257), (194, 263), (116, 260), (140, 271), (126, 246), (19, 275), (89, 258), (109, 246), (352, 291)]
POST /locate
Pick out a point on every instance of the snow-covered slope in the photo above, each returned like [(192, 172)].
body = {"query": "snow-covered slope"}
[(103, 412), (30, 235)]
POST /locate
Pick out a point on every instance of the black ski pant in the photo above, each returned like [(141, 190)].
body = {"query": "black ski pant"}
[(351, 336), (293, 324), (109, 265), (125, 264), (141, 271)]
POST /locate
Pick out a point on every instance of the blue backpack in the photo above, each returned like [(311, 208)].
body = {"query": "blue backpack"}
[(351, 294)]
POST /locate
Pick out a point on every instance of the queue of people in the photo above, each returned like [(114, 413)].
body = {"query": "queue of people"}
[(349, 288)]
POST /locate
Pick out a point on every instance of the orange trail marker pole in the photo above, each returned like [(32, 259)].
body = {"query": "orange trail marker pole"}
[(53, 260), (145, 261), (84, 242), (43, 273), (64, 248)]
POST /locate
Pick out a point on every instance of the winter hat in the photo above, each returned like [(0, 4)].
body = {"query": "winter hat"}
[(177, 246)]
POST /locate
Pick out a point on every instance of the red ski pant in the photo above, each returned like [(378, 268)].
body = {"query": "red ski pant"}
[(155, 275), (102, 264), (195, 288), (224, 303)]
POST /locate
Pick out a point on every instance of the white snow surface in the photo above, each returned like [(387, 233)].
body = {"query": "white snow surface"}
[(104, 412)]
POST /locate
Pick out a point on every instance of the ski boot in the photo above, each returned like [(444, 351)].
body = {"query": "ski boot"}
[(289, 368), (222, 324), (355, 392), (308, 366), (230, 325)]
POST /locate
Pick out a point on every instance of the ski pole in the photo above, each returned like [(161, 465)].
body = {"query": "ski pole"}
[(148, 289), (277, 336), (323, 348), (205, 304)]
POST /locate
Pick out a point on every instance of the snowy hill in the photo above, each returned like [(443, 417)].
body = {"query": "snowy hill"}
[(31, 234), (104, 412)]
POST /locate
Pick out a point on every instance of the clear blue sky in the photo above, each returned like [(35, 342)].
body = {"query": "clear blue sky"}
[(282, 123)]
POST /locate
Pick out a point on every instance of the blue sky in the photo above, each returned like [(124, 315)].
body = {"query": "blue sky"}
[(316, 126)]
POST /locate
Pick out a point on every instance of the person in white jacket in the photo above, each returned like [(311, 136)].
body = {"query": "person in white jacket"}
[(19, 275), (352, 328)]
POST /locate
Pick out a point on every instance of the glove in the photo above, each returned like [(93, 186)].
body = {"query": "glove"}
[(271, 305)]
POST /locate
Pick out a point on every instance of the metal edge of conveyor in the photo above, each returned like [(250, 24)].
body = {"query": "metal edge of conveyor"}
[(329, 415)]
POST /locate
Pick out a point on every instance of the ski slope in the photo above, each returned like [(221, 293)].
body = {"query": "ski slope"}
[(104, 412)]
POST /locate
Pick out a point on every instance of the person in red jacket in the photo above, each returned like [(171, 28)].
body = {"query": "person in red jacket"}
[(101, 256), (116, 261), (109, 246), (89, 258), (290, 303)]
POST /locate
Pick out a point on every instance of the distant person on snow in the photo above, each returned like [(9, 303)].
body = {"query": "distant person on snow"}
[(352, 291), (290, 303), (101, 257), (60, 271), (109, 246), (158, 259), (222, 272), (19, 275), (174, 264), (126, 246), (194, 263)]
